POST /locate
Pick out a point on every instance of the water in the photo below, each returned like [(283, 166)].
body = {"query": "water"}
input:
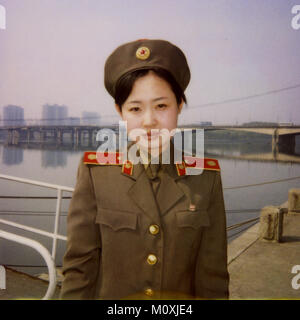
[(242, 163)]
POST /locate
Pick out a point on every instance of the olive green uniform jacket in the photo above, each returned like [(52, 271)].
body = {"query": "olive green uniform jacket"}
[(110, 236)]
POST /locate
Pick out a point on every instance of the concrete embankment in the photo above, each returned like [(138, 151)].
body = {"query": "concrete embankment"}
[(23, 286), (262, 269)]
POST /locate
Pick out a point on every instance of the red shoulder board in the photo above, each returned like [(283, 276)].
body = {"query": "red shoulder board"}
[(202, 163), (108, 158), (102, 158), (197, 163)]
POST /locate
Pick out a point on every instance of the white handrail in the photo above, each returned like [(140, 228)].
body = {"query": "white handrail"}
[(37, 183), (44, 253), (60, 190), (34, 230)]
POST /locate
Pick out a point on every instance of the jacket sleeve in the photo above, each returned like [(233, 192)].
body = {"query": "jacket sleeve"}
[(211, 274), (81, 262)]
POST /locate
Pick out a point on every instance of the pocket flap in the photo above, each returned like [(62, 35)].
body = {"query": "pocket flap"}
[(194, 219), (117, 219)]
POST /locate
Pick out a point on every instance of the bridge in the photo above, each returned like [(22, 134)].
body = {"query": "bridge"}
[(41, 133), (283, 136)]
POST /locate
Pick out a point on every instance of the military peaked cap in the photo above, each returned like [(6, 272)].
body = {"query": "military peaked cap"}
[(146, 54)]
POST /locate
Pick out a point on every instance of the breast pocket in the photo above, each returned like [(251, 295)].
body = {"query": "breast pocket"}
[(117, 220), (192, 219)]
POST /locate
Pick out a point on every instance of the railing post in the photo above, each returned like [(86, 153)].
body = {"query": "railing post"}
[(56, 222)]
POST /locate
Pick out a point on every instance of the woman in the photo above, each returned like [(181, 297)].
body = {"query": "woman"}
[(139, 231)]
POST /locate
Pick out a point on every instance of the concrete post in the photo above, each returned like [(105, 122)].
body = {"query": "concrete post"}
[(59, 138), (72, 135), (9, 136), (275, 139), (43, 136), (78, 137), (271, 223), (15, 136), (28, 135), (54, 134), (294, 201), (90, 133)]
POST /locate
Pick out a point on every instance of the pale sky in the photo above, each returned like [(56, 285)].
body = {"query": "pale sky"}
[(53, 51)]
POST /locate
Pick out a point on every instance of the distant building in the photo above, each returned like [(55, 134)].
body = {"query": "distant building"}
[(13, 116), (90, 118), (54, 115)]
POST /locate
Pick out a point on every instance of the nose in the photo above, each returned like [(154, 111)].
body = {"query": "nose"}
[(149, 119)]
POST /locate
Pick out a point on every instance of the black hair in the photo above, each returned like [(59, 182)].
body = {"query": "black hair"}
[(125, 84)]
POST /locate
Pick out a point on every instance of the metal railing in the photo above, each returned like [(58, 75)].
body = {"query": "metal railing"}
[(43, 252), (55, 236), (50, 259)]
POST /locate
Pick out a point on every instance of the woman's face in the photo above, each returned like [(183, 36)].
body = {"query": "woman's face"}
[(151, 112)]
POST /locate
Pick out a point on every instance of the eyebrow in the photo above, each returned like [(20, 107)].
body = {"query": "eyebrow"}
[(154, 100)]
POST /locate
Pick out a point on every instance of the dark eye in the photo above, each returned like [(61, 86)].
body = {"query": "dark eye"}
[(134, 109), (161, 106)]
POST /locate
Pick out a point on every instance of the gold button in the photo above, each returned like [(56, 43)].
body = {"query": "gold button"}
[(154, 229), (128, 165), (192, 207), (149, 292), (151, 259)]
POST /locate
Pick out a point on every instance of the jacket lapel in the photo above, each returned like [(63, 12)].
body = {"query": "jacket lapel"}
[(169, 193), (141, 193)]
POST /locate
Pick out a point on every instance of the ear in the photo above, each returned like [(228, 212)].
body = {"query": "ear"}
[(119, 110), (180, 106)]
